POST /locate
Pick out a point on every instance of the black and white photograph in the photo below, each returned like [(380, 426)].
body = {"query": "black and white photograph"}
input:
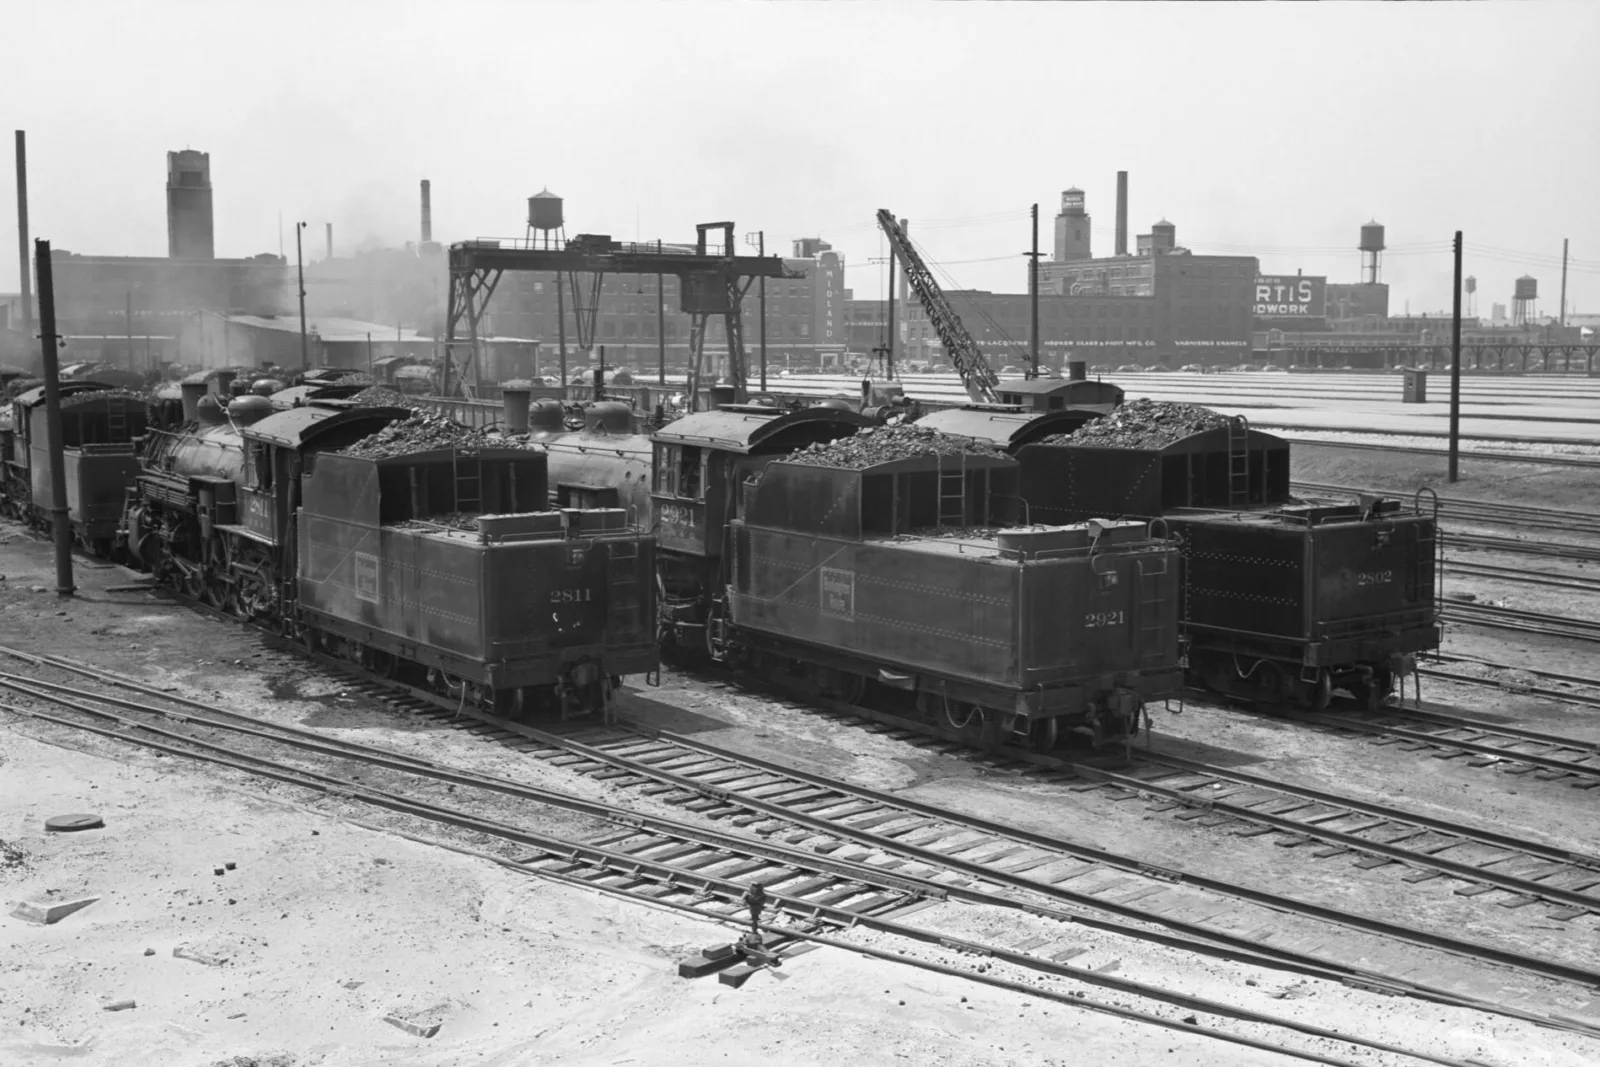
[(800, 532)]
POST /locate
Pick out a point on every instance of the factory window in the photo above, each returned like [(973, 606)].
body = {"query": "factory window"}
[(608, 329), (805, 329)]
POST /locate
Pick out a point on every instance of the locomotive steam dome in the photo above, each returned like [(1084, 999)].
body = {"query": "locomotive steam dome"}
[(547, 416), (248, 409), (608, 416), (266, 386), (209, 410)]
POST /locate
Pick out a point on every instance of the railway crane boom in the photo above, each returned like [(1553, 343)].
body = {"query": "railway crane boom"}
[(976, 374)]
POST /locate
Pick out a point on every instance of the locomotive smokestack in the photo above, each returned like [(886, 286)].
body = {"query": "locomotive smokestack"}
[(1122, 212), (192, 392), (427, 212), (516, 409), (1077, 370)]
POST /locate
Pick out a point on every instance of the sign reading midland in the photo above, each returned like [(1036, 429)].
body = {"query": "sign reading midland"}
[(1292, 297)]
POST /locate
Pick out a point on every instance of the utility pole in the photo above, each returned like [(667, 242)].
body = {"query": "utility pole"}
[(52, 408), (22, 234), (661, 322), (889, 345), (761, 250), (129, 295), (561, 332), (1563, 281), (1033, 297), (1455, 374), (300, 269)]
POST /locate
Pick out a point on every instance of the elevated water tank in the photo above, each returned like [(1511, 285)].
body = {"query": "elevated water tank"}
[(1372, 237), (1164, 236), (544, 211), (1527, 288)]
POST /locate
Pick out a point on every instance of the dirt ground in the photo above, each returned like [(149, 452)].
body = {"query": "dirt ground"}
[(326, 926)]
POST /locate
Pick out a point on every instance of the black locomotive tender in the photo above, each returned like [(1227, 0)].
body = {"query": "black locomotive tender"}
[(444, 562), (1284, 601), (783, 551)]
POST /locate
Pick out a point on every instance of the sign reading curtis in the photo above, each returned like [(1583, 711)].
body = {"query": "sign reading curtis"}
[(1290, 296)]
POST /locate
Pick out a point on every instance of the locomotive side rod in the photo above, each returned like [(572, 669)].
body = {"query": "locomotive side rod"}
[(48, 341)]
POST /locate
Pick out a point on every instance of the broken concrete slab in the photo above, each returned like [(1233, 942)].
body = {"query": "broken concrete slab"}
[(415, 1029), (46, 914), (184, 952)]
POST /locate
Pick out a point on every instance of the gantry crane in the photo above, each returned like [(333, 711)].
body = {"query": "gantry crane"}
[(976, 374)]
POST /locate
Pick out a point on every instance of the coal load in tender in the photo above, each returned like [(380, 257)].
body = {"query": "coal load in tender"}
[(381, 396), (424, 432), (1143, 424), (885, 444), (78, 400)]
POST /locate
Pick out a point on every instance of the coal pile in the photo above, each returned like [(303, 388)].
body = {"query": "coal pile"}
[(454, 520), (426, 432), (1143, 424), (380, 396), (886, 444), (79, 400)]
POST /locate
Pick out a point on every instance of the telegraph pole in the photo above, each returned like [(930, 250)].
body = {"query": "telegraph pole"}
[(1455, 374), (1563, 281), (300, 269), (761, 250), (561, 332), (661, 323), (889, 344), (22, 233), (1033, 297), (129, 326), (52, 407)]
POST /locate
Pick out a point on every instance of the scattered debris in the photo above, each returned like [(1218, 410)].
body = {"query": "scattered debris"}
[(885, 444), (119, 1005), (1143, 423), (149, 952), (12, 857), (230, 865), (273, 1059)]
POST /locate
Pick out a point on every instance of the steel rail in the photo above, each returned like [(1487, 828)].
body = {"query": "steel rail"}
[(934, 859), (1353, 843), (962, 945), (732, 890), (1473, 746), (1208, 943), (1521, 576), (1533, 622), (1324, 913)]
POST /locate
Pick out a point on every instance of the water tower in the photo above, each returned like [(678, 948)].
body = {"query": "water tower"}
[(1523, 298), (1072, 227), (1371, 252), (546, 228), (1472, 299)]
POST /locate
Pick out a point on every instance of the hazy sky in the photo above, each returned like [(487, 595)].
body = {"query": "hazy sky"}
[(1274, 130)]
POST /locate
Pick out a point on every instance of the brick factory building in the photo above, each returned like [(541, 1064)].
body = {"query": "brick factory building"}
[(1162, 304)]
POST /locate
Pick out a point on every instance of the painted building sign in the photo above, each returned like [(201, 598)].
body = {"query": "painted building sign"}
[(829, 293), (1290, 296)]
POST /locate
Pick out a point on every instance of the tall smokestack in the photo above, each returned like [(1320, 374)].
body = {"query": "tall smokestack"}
[(427, 212), (1122, 212), (330, 240), (22, 235), (189, 233)]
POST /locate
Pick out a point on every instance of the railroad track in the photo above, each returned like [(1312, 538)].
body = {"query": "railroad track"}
[(1521, 516), (896, 834), (1529, 622), (1522, 575), (1510, 749), (1516, 685), (820, 898)]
